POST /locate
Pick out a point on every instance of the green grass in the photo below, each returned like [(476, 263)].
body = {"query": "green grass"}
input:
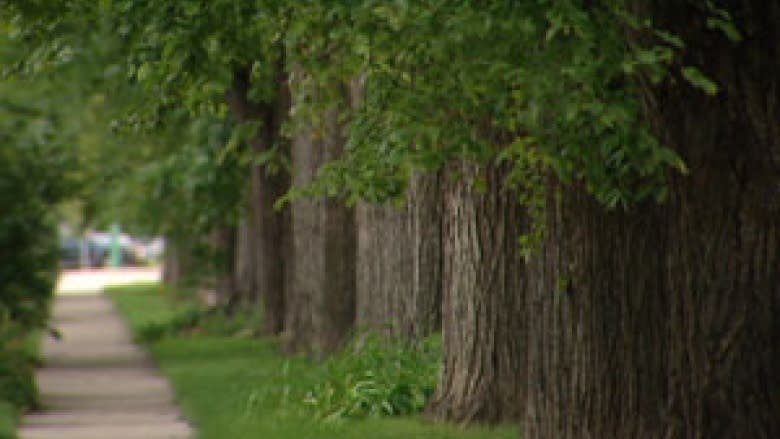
[(240, 387), (144, 304)]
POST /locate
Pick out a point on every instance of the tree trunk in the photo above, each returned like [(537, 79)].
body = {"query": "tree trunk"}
[(244, 272), (724, 271), (272, 226), (724, 234), (321, 309), (484, 331), (598, 331), (667, 326), (399, 263), (334, 306), (177, 261), (273, 244), (382, 273), (171, 269), (222, 243), (307, 260)]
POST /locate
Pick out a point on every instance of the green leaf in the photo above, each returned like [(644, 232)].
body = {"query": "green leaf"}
[(726, 26), (722, 20), (699, 80), (670, 38)]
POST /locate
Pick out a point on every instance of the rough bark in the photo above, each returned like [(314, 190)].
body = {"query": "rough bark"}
[(399, 263), (222, 243), (667, 326), (273, 245), (483, 300), (598, 330), (307, 260), (172, 266), (724, 235), (244, 267), (177, 261), (321, 309), (272, 226)]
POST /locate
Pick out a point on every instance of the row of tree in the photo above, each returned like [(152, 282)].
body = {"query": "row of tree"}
[(582, 196)]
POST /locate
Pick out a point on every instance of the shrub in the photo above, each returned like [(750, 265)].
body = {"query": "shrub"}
[(17, 367), (28, 262), (28, 269), (33, 178), (376, 377)]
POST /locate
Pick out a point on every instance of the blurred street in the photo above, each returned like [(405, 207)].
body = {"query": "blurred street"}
[(90, 281)]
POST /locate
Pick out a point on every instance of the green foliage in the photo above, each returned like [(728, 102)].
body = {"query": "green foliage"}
[(438, 80), (204, 180), (18, 359), (722, 20), (441, 80), (35, 174), (445, 80), (374, 377), (17, 367), (8, 420), (699, 80), (151, 78), (28, 262)]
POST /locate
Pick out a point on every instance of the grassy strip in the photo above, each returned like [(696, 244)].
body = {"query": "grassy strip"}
[(240, 387)]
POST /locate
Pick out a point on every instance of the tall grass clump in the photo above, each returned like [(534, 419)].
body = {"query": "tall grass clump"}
[(376, 377)]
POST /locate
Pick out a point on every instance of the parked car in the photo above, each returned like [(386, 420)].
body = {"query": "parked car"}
[(98, 254), (70, 253)]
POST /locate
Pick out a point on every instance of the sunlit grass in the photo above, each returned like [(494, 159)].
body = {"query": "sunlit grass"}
[(241, 387), (143, 304)]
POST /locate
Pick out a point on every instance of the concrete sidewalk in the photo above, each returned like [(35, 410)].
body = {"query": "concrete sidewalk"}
[(97, 384)]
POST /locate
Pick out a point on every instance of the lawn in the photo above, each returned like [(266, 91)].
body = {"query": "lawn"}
[(240, 387)]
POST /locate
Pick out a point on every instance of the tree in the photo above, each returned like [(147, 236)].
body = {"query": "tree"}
[(631, 147), (722, 266), (270, 181), (661, 314), (484, 298), (245, 263), (322, 306), (187, 60), (399, 278), (416, 116)]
